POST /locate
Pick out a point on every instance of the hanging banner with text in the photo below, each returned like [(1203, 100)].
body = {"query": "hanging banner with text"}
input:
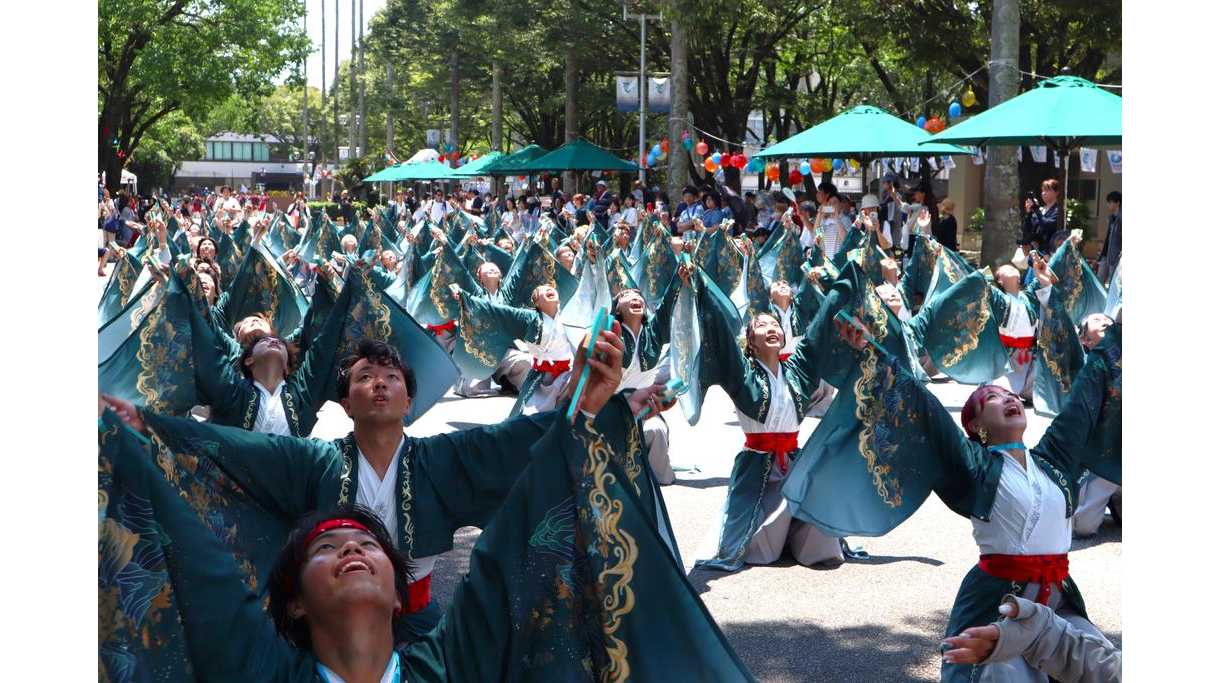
[(627, 93)]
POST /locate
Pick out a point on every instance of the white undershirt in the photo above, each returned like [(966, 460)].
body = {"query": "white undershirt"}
[(1029, 516), (1019, 325), (381, 496), (271, 418), (781, 413), (636, 378), (790, 338), (387, 676)]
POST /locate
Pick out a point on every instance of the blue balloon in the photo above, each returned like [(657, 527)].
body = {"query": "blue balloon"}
[(955, 110), (656, 150), (920, 121), (805, 168), (837, 164), (716, 158)]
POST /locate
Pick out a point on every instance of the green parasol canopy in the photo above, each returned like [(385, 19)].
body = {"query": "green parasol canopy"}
[(579, 155), (862, 133), (477, 167), (427, 170), (511, 164), (1063, 112)]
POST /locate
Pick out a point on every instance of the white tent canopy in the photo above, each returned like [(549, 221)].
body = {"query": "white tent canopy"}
[(127, 178), (426, 154)]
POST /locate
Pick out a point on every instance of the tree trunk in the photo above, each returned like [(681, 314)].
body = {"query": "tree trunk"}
[(679, 158), (569, 113), (351, 91), (362, 138), (1001, 225), (497, 118), (389, 111), (334, 179), (453, 101)]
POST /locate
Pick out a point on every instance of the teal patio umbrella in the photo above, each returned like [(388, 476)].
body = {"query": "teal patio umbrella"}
[(510, 164), (427, 170), (863, 133), (1063, 113), (477, 167), (579, 155)]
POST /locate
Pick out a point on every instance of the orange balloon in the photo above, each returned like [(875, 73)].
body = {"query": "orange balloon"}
[(665, 146), (773, 172), (709, 165)]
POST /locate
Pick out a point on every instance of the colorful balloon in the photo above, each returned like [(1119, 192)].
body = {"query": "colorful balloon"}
[(665, 145), (968, 98), (921, 122), (794, 177), (773, 172), (955, 110), (805, 168), (716, 158), (701, 148), (709, 165), (837, 164), (855, 165), (688, 143), (740, 161)]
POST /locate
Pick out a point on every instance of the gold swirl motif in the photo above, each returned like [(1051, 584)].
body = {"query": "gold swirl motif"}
[(150, 357), (291, 407), (148, 301), (470, 328), (1046, 337), (345, 472), (407, 532), (869, 410), (614, 580), (247, 420), (442, 277), (381, 313), (875, 314), (126, 279), (765, 384), (631, 459), (272, 279), (970, 323), (1073, 284)]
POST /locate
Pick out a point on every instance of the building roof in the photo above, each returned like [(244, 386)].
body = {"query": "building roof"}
[(226, 136)]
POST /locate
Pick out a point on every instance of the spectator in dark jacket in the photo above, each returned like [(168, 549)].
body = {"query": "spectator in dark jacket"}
[(1041, 223), (945, 229), (1112, 249)]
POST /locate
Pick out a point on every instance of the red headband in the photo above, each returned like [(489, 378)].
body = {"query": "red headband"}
[(332, 524), (974, 405)]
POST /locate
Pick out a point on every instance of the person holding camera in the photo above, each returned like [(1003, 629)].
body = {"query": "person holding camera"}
[(1041, 222)]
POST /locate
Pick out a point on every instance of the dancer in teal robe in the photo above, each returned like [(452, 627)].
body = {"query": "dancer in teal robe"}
[(754, 526), (887, 443), (1083, 294), (584, 585)]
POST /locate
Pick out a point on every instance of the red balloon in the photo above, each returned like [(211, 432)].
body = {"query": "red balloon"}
[(701, 148), (665, 146), (794, 177)]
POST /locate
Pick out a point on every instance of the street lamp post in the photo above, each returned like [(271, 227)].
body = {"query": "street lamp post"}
[(643, 79)]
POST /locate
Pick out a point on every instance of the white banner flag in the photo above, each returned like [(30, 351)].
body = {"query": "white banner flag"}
[(1116, 161), (932, 163), (1088, 160), (949, 163), (1056, 159), (914, 164), (977, 156), (1038, 152), (1020, 154)]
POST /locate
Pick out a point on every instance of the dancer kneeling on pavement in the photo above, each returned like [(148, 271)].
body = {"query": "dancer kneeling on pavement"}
[(569, 581), (644, 336), (871, 466), (770, 397)]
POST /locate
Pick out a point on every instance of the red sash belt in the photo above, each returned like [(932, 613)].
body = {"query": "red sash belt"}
[(1022, 345), (554, 368), (1046, 570), (784, 356), (779, 444), (449, 326), (419, 594)]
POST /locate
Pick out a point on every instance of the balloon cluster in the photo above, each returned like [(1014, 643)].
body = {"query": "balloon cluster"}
[(935, 124), (658, 152), (729, 159)]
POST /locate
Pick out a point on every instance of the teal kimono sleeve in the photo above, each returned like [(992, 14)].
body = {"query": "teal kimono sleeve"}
[(1059, 356), (325, 294), (808, 299), (317, 369), (486, 330), (572, 553), (217, 378), (658, 326), (722, 361), (466, 474), (287, 476), (1087, 433), (959, 328), (885, 444)]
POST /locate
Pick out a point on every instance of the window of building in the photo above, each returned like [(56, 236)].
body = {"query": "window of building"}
[(262, 151)]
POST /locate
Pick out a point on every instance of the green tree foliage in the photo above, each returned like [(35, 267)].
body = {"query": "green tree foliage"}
[(166, 144), (156, 57)]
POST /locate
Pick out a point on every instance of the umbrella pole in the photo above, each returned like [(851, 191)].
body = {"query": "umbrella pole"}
[(1065, 153)]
